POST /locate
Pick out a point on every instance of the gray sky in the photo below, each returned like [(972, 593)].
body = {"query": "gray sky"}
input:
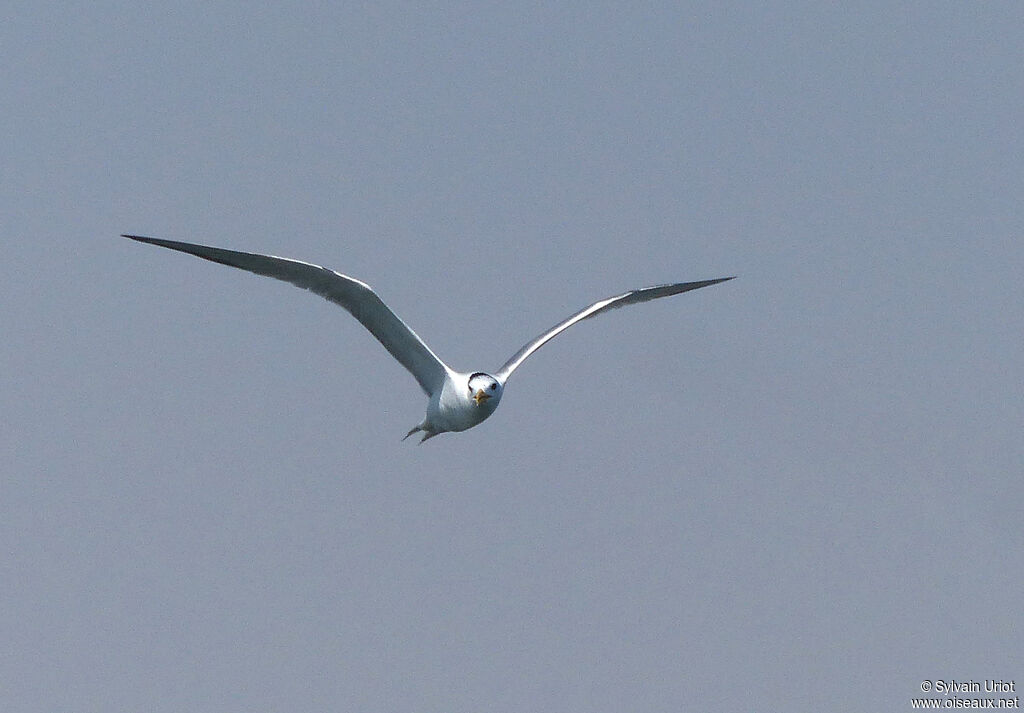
[(800, 490)]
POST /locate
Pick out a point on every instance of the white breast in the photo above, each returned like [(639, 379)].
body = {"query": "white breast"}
[(453, 409)]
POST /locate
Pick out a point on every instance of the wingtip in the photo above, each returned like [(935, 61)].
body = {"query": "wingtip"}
[(147, 240)]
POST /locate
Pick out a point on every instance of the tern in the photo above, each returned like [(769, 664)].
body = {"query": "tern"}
[(457, 400)]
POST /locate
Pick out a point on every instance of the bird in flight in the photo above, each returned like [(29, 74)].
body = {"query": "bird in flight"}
[(458, 400)]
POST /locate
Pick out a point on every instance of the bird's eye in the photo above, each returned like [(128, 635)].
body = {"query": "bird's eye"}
[(493, 387)]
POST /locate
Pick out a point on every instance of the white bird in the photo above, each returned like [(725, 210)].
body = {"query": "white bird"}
[(458, 400)]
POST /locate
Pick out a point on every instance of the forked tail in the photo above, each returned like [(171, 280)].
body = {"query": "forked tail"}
[(427, 433)]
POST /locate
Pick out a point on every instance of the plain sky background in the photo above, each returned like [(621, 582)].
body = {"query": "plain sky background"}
[(800, 490)]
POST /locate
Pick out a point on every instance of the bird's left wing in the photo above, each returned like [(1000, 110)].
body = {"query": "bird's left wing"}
[(355, 296), (629, 298)]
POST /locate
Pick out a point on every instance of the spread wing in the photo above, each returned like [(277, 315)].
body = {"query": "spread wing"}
[(355, 296), (629, 298)]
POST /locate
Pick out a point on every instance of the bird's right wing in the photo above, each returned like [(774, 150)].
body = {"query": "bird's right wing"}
[(629, 298), (355, 296)]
